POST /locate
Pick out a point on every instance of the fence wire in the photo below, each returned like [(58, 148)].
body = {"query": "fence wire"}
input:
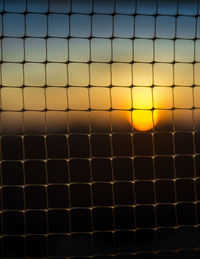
[(100, 143)]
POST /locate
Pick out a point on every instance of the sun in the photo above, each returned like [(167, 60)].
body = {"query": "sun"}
[(143, 118)]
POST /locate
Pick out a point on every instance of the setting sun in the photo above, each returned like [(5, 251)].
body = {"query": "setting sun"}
[(143, 118)]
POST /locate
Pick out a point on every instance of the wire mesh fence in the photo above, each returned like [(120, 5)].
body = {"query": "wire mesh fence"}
[(100, 128)]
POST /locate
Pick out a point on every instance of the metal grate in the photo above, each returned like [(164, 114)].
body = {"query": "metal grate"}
[(80, 178)]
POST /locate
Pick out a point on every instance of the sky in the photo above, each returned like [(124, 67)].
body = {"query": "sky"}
[(139, 68)]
